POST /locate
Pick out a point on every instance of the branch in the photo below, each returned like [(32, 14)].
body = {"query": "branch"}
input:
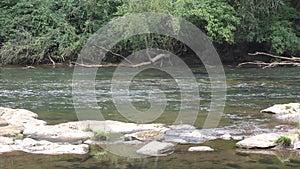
[(53, 63), (296, 59)]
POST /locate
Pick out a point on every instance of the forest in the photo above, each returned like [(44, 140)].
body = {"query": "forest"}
[(54, 31)]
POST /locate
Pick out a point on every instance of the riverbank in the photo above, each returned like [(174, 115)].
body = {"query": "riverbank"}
[(21, 130)]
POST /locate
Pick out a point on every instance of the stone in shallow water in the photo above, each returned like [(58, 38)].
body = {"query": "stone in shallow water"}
[(286, 112), (200, 148), (156, 148), (259, 141)]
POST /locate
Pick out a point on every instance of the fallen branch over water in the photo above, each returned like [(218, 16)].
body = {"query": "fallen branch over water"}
[(157, 58), (289, 61)]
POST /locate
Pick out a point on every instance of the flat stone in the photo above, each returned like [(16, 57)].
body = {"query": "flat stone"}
[(10, 131), (6, 141), (44, 147), (237, 138), (200, 148), (65, 132), (3, 122), (286, 112), (182, 127), (145, 136), (259, 141), (156, 148), (283, 109)]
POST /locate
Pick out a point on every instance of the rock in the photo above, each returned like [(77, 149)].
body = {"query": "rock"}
[(259, 141), (3, 122), (6, 141), (156, 148), (182, 127), (20, 117), (237, 138), (10, 131), (111, 126), (200, 148), (66, 132), (286, 112), (44, 147), (226, 137), (145, 136), (297, 145)]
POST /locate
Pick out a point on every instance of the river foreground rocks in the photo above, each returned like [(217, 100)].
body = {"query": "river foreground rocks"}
[(286, 112)]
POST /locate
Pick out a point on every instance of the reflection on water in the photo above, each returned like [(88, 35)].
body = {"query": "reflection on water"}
[(48, 92)]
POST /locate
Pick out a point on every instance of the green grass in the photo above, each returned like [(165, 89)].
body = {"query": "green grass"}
[(285, 141)]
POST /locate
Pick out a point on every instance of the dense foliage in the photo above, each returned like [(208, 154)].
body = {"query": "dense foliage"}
[(38, 31)]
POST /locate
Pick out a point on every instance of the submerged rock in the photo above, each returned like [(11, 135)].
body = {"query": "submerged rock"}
[(156, 148), (200, 148), (286, 112), (259, 141)]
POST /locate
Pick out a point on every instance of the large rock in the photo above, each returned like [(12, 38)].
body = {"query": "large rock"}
[(20, 117), (3, 122), (200, 148), (156, 148), (11, 131), (66, 132), (286, 112), (259, 141), (44, 147)]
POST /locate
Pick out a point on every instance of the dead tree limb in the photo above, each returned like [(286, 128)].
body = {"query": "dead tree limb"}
[(287, 61)]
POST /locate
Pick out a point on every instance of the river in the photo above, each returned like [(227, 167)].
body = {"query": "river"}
[(48, 92)]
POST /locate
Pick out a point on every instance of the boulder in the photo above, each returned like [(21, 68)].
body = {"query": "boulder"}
[(259, 141), (3, 122), (156, 148), (200, 148), (65, 132), (286, 112), (297, 145), (11, 130)]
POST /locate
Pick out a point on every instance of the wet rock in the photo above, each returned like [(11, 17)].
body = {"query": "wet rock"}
[(156, 148), (10, 131), (3, 122), (200, 148), (259, 141), (145, 136), (6, 141), (286, 112)]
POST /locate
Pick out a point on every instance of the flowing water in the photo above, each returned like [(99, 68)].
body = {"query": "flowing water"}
[(48, 92)]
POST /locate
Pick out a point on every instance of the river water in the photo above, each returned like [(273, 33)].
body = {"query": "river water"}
[(48, 92)]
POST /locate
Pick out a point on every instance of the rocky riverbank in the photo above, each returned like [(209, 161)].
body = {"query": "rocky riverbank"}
[(21, 130)]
